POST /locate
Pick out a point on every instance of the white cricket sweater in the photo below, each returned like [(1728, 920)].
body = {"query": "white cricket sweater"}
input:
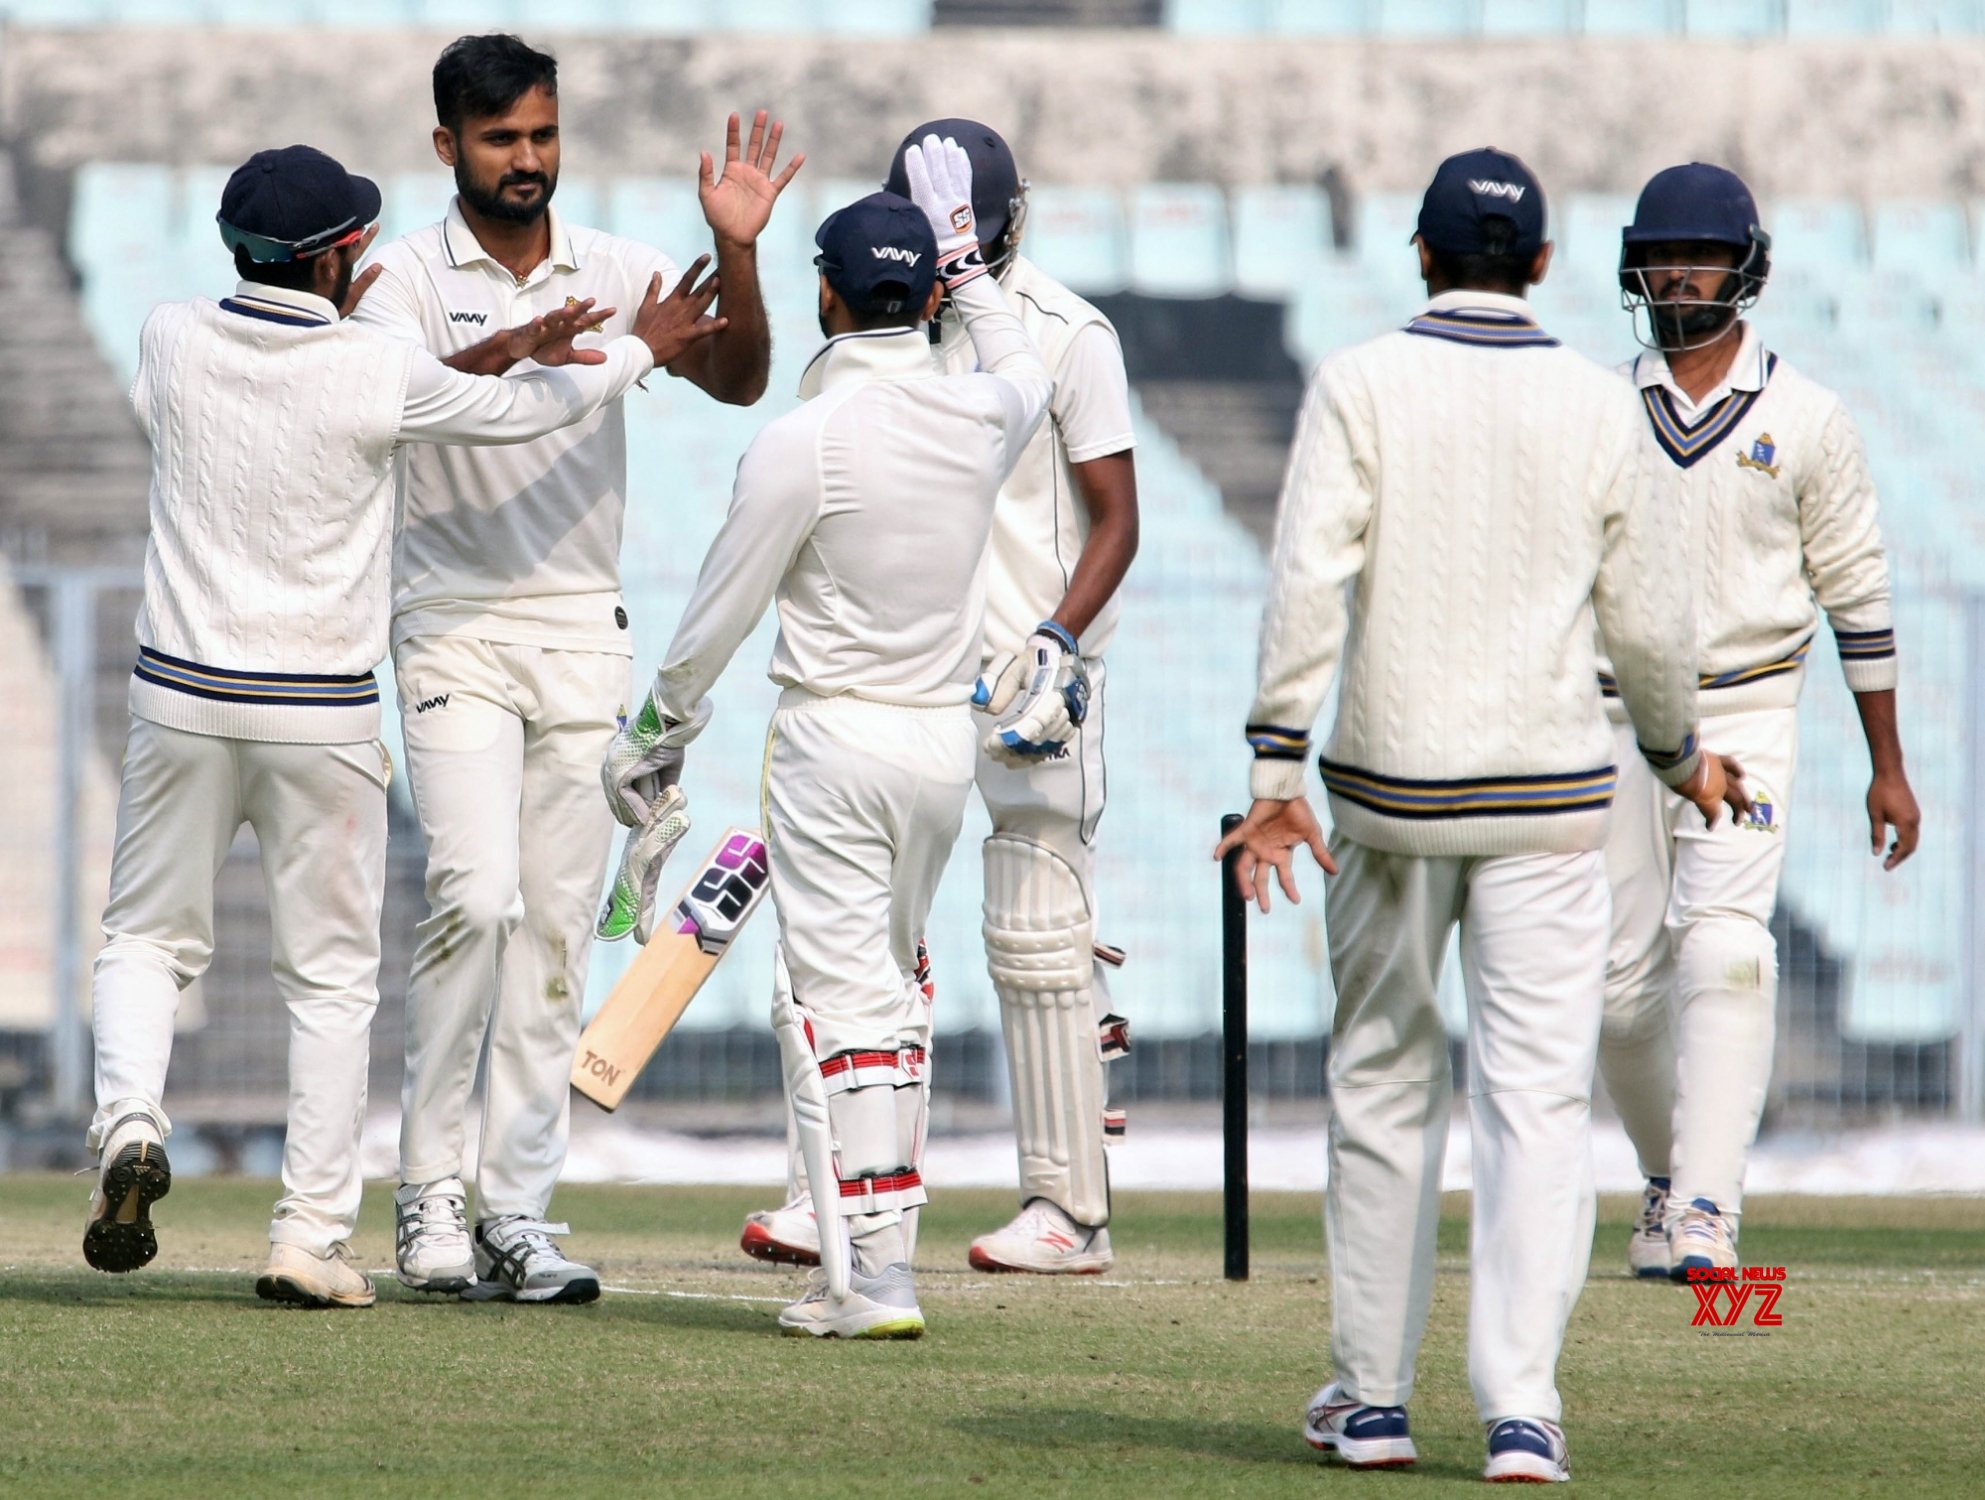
[(866, 512), (1465, 496), (273, 428), (1781, 517), (1041, 525)]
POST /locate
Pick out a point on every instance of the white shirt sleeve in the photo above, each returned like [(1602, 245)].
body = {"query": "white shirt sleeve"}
[(1320, 523), (390, 304), (1841, 537), (447, 406), (774, 505), (1008, 354), (1092, 396)]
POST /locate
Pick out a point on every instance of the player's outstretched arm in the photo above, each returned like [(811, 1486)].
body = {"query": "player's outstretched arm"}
[(1267, 839), (734, 366)]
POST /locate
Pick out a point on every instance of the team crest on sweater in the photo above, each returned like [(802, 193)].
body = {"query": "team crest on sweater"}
[(1763, 455)]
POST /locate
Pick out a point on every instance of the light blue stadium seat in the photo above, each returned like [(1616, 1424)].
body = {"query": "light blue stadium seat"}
[(1815, 235), (413, 200), (1586, 227), (1178, 241), (1529, 18), (1428, 17), (876, 18), (1214, 17), (1882, 304), (1731, 18), (796, 17), (118, 211), (55, 12), (1077, 236), (1321, 17), (1926, 236), (579, 200), (1386, 223), (1836, 17), (1278, 232), (1632, 17), (663, 212), (465, 16), (366, 15), (1936, 17)]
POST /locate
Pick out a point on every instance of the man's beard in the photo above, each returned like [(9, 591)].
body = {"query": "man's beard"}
[(493, 205)]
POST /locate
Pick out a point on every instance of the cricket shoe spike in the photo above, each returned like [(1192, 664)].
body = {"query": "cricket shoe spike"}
[(1364, 1437), (516, 1261), (786, 1236), (301, 1279), (432, 1252), (1647, 1247), (1527, 1450), (882, 1306), (1703, 1239), (1046, 1242), (133, 1175)]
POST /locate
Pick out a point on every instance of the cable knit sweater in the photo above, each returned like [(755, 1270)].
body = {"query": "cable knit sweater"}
[(1780, 512), (1464, 498)]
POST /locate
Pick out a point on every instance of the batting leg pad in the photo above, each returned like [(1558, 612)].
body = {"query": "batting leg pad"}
[(1040, 940)]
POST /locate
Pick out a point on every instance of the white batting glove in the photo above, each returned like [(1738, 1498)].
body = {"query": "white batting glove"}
[(631, 903), (940, 176), (1051, 705), (646, 759)]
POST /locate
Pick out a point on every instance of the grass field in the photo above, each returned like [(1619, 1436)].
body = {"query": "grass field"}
[(1160, 1381)]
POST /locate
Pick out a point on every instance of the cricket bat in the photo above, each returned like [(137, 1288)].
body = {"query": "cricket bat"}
[(670, 968)]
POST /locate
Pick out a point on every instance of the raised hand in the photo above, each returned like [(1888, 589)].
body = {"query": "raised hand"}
[(738, 204), (670, 325), (361, 283), (1267, 839), (548, 338)]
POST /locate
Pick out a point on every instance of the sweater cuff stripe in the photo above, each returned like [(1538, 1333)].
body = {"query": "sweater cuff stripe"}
[(1273, 742), (1864, 645), (1666, 760)]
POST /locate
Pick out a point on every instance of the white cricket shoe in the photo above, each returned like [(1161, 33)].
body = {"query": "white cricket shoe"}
[(301, 1279), (1527, 1450), (882, 1306), (132, 1175), (431, 1234), (1044, 1240), (1364, 1437), (517, 1262), (788, 1235), (1647, 1246), (1703, 1239)]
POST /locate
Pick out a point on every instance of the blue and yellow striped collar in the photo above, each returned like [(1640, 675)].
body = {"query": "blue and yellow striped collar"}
[(1688, 445), (1485, 319), (275, 304)]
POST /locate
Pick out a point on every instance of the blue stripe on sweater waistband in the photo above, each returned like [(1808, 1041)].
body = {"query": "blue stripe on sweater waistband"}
[(226, 685), (1609, 685), (1474, 797)]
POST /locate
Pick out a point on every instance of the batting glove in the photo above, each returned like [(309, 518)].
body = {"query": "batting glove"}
[(646, 759), (1047, 711), (940, 176), (631, 903)]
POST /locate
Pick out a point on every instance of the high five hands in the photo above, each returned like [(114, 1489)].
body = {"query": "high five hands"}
[(738, 204)]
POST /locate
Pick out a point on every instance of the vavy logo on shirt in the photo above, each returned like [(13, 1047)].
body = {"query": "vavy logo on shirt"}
[(1490, 189), (476, 319), (896, 252)]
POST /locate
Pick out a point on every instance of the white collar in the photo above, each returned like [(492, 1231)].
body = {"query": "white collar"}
[(464, 249), (1747, 372), (1483, 302), (878, 354), (278, 304)]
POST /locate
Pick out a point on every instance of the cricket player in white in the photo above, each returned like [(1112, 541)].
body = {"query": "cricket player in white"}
[(867, 512), (1476, 494), (1781, 519), (274, 428), (511, 653), (1063, 537)]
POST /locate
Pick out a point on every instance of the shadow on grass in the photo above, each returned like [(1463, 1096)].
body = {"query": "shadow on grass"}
[(95, 1289)]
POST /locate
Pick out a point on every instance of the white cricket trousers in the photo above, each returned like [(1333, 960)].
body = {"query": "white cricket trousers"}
[(1692, 973), (1533, 956), (319, 813), (504, 745), (863, 802)]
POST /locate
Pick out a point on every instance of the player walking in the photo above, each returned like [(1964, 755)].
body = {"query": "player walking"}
[(1063, 537), (274, 428), (511, 651), (1482, 492), (1782, 514), (867, 511)]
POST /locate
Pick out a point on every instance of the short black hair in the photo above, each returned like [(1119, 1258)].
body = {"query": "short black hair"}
[(479, 76), (1493, 268), (291, 275)]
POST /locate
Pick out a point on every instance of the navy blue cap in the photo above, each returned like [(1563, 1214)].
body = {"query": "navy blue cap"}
[(1696, 201), (879, 254), (995, 177), (293, 203), (1477, 185)]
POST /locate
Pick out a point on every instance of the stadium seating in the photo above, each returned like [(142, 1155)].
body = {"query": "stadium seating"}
[(1884, 305)]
